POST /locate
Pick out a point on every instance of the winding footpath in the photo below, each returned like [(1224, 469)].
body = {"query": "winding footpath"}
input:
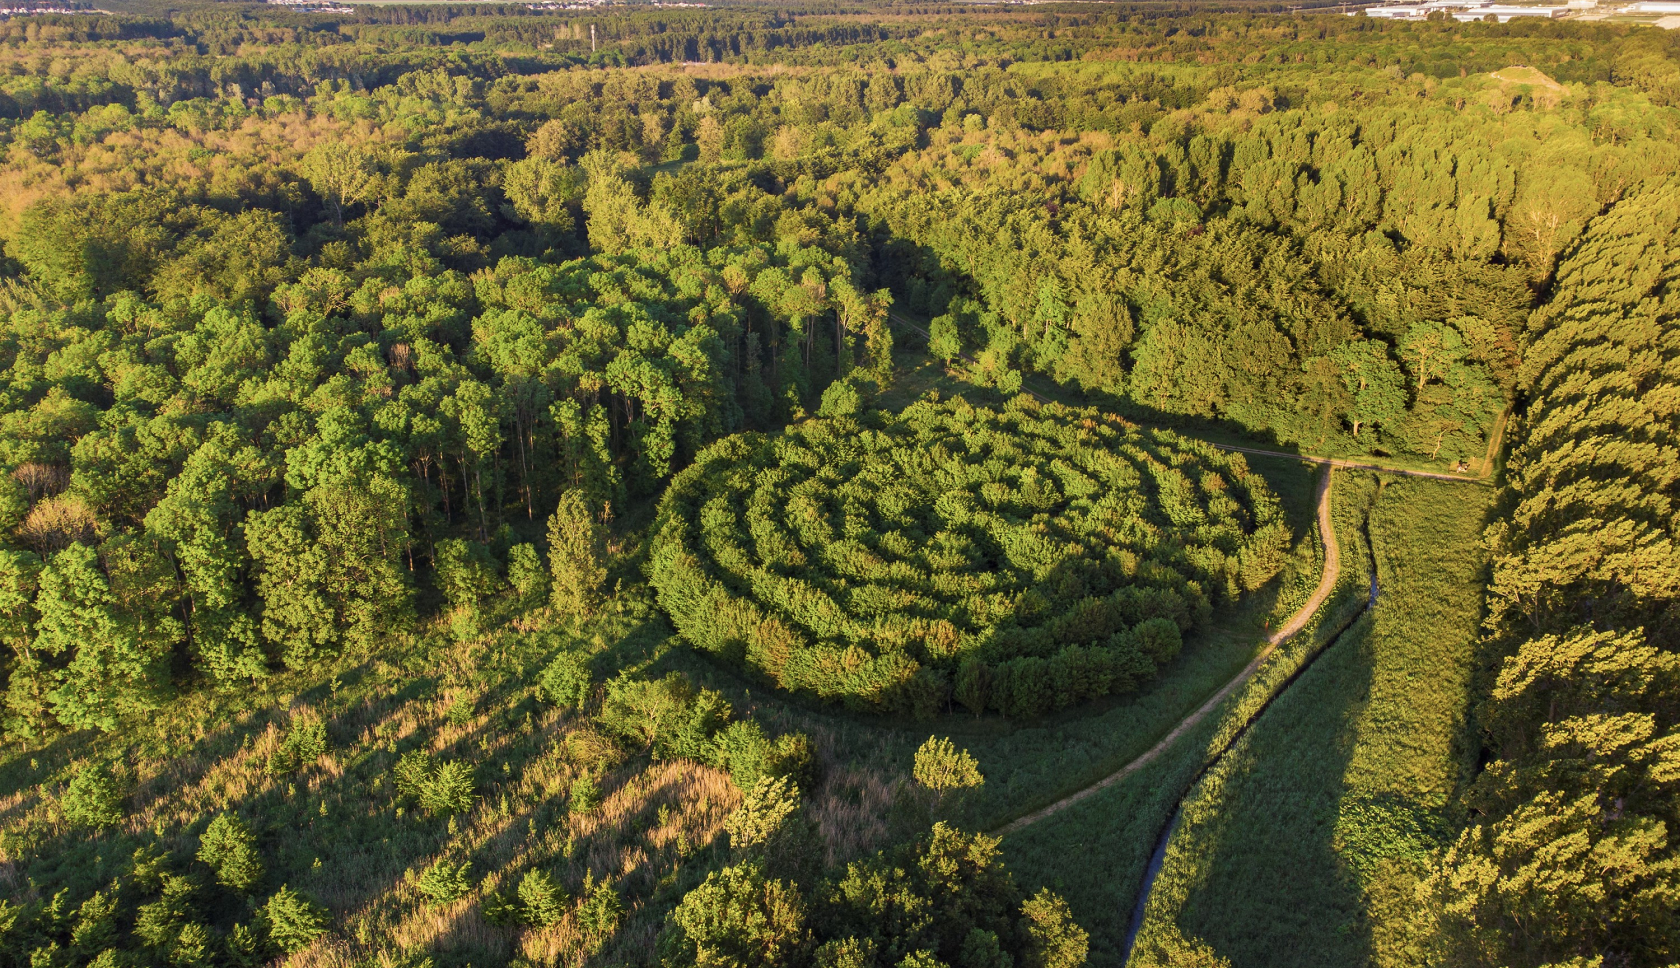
[(1298, 621)]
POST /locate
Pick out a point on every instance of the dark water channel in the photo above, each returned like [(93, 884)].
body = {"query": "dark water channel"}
[(1159, 854)]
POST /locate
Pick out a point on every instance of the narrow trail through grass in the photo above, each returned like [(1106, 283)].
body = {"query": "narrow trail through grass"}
[(1298, 621), (1304, 840)]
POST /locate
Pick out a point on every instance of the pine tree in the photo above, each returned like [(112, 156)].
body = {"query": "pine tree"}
[(230, 850), (576, 552)]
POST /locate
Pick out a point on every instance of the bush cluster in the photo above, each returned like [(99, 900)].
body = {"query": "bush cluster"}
[(162, 910), (1019, 560), (945, 899)]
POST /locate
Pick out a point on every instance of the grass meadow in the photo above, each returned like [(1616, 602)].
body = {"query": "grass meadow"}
[(1095, 851), (1304, 844)]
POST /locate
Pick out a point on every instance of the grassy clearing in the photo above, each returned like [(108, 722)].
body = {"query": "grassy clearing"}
[(1302, 846), (1095, 851)]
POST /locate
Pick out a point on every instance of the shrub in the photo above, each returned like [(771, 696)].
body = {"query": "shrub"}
[(465, 572), (445, 883), (841, 398), (667, 716), (749, 756), (541, 901), (1159, 639), (246, 947), (96, 922), (294, 920), (743, 750), (981, 950), (944, 341), (499, 909), (763, 811), (460, 712), (600, 913), (592, 751), (438, 787), (1053, 940), (793, 756), (159, 923), (193, 946), (528, 576), (566, 681), (411, 772), (93, 798), (1023, 689), (576, 552), (229, 849), (305, 742), (867, 558), (585, 795), (739, 917), (974, 685), (448, 790), (940, 766)]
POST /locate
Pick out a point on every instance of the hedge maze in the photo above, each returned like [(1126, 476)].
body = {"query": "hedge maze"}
[(1018, 560)]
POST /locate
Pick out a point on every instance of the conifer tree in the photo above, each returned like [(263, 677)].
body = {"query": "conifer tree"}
[(576, 555)]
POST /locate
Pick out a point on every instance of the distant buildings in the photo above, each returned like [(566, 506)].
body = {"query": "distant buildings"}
[(1506, 12), (311, 6), (1470, 10)]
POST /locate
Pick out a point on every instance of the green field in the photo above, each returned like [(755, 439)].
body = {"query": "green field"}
[(1304, 844), (1113, 832)]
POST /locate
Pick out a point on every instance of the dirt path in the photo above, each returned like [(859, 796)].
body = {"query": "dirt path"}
[(1298, 621)]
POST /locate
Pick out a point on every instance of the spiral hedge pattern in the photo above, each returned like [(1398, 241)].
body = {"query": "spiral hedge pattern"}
[(1018, 560)]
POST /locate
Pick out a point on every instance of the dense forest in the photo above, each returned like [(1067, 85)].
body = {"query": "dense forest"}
[(488, 485)]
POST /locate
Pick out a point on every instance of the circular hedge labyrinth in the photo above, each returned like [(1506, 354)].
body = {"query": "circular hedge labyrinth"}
[(1019, 560)]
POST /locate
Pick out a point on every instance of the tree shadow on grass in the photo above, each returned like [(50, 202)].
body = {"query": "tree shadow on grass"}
[(1268, 884)]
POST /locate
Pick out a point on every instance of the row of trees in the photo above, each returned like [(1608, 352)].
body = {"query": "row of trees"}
[(1035, 557), (1570, 852)]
